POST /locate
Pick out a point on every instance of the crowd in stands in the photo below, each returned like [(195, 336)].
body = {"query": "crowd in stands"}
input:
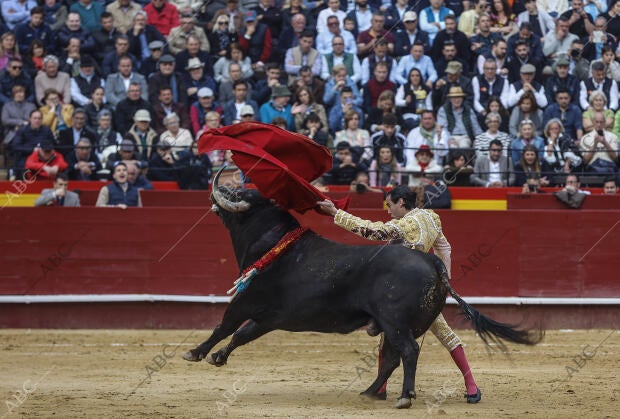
[(494, 93)]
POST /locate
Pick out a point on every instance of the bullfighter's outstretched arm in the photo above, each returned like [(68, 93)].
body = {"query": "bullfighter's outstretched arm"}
[(368, 229)]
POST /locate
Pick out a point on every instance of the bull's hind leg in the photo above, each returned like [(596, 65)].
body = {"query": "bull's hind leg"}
[(389, 360), (233, 319), (250, 331), (405, 344)]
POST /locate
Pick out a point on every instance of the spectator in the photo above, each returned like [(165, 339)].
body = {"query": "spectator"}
[(404, 40), (333, 9), (163, 15), (14, 75), (395, 16), (142, 135), (599, 82), (167, 76), (316, 85), (180, 139), (33, 60), (232, 108), (600, 148), (559, 151), (140, 36), (120, 193), (422, 165), (495, 105), (270, 16), (482, 43), (234, 55), (56, 115), (59, 195), (15, 12), (428, 133), (25, 141), (612, 67), (526, 137), (483, 141), (83, 162), (377, 85), (361, 15), (68, 138), (90, 13), (336, 84), (123, 12), (71, 57), (202, 107), (163, 164), (124, 151), (95, 105), (105, 36), (388, 136), (521, 56), (50, 77), (304, 54), (35, 28), (530, 172), (502, 18), (384, 169), (345, 168), (165, 106), (568, 114), (119, 84), (598, 40), (613, 23), (192, 51), (324, 40), (558, 43), (127, 108), (379, 55), (194, 171), (355, 137), (459, 119), (610, 187), (541, 22), (366, 40), (178, 35), (44, 163), (412, 99), (278, 106), (493, 170), (561, 79), (433, 18), (488, 84), (314, 129), (458, 170), (526, 109), (121, 49), (527, 84), (469, 19), (221, 37), (136, 179), (149, 65), (453, 78), (416, 59), (580, 22), (291, 14), (533, 40), (385, 105), (448, 54), (84, 84), (15, 113), (451, 35), (255, 40), (55, 14), (105, 136), (197, 79), (73, 29), (303, 105)]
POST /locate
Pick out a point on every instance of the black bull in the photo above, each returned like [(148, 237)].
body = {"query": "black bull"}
[(323, 286)]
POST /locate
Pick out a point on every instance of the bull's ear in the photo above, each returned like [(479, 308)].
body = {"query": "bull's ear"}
[(274, 202)]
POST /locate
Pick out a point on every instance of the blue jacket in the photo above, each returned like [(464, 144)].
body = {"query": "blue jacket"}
[(116, 195), (268, 112), (25, 34)]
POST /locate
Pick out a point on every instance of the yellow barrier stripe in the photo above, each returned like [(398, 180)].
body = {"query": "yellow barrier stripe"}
[(479, 204), (17, 200)]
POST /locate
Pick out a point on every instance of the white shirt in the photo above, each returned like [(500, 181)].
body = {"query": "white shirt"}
[(494, 172)]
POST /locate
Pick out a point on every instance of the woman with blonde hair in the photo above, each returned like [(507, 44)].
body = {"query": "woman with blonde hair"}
[(178, 138), (560, 152), (358, 138), (8, 49), (56, 115), (598, 105), (221, 36)]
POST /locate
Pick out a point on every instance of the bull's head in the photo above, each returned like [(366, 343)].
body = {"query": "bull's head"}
[(221, 197)]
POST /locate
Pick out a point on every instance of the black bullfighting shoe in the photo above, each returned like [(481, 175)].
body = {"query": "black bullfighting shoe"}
[(474, 398)]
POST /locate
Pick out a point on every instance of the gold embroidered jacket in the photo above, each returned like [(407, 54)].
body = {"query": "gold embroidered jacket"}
[(419, 229)]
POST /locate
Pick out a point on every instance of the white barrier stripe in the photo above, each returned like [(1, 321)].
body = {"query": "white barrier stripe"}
[(214, 299)]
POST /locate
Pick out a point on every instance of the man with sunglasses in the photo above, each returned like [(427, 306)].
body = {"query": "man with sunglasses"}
[(13, 75)]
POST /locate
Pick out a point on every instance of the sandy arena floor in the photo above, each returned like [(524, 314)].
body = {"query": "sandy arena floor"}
[(128, 373)]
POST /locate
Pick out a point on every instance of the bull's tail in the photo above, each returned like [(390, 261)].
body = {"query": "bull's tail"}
[(488, 329)]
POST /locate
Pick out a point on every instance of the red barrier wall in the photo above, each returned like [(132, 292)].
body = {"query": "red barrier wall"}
[(550, 253)]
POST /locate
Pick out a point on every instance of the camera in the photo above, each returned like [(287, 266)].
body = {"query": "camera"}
[(600, 132), (575, 54), (532, 187), (360, 188)]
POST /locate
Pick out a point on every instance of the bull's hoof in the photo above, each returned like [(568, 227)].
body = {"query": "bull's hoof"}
[(374, 396), (216, 359), (192, 356), (474, 398), (403, 403)]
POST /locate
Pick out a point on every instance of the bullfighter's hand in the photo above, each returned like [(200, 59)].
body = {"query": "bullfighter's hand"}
[(326, 207)]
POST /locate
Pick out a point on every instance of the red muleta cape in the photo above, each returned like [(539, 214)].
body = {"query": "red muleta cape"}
[(280, 163)]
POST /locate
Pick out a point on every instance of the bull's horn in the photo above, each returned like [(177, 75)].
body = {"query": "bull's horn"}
[(221, 200)]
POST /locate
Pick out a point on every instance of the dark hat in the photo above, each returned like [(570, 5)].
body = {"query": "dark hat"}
[(166, 59), (156, 45), (280, 91), (249, 16), (424, 148), (87, 61), (127, 145), (46, 145)]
